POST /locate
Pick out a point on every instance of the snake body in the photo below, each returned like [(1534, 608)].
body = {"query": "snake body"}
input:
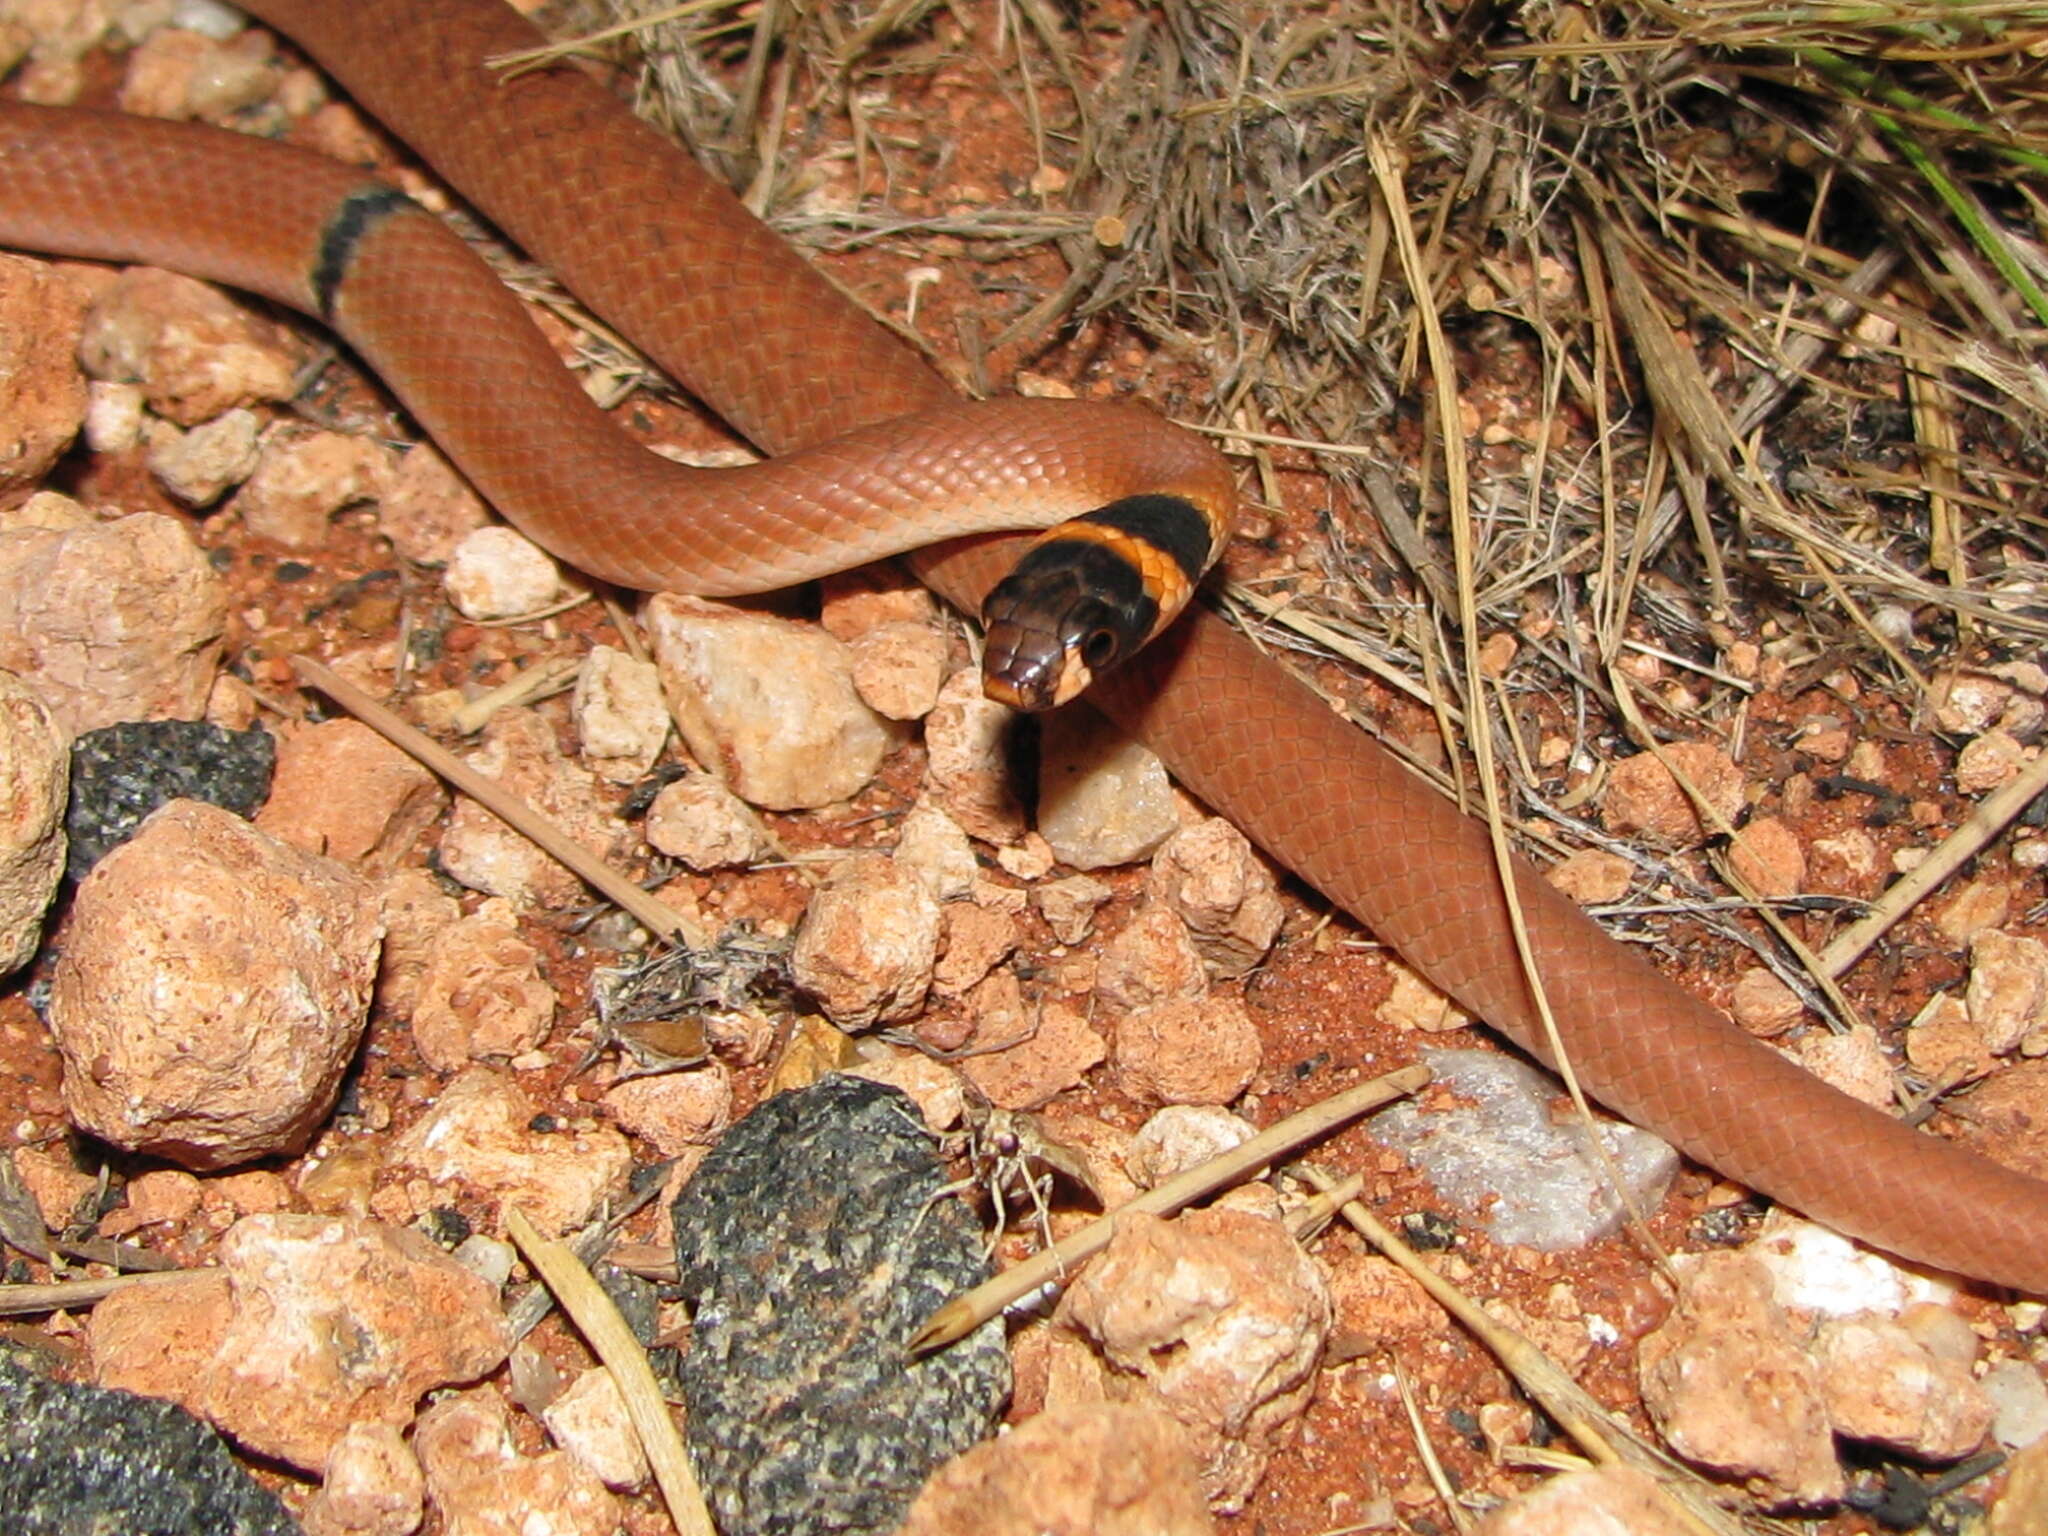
[(670, 258)]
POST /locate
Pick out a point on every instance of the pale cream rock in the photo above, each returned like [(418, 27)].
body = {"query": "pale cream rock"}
[(770, 702), (179, 74), (1056, 1056), (1592, 877), (673, 1111), (520, 752), (161, 1197), (259, 1192), (1969, 702), (1031, 858), (967, 739), (212, 989), (1985, 902), (2007, 994), (1565, 1339), (1729, 1383), (589, 1421), (1183, 1136), (50, 510), (1202, 1050), (1847, 864), (1596, 1501), (1883, 1385), (1503, 1426), (481, 1486), (1642, 797), (1413, 1003), (868, 943), (35, 767), (1767, 854), (1815, 1270), (303, 476), (1102, 1147), (1826, 743), (933, 1086), (2019, 1400), (309, 1325), (372, 1486), (1217, 1317), (199, 465), (1107, 1469), (55, 1182), (1069, 905), (118, 621), (42, 392), (1210, 876), (55, 37), (932, 844), (1102, 798), (195, 352), (974, 940), (415, 909), (1988, 761), (482, 996), (428, 509), (1151, 960), (620, 718), (999, 1013), (499, 573), (1374, 1300), (2022, 1510), (1854, 1062), (480, 1134), (341, 789), (113, 416), (707, 826), (898, 667), (1762, 1004)]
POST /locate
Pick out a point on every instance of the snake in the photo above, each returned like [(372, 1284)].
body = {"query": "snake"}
[(858, 427)]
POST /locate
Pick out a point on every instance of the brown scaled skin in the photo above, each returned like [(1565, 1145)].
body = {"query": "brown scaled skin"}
[(650, 244)]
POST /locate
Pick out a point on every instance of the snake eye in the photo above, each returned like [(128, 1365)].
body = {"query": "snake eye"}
[(1099, 650)]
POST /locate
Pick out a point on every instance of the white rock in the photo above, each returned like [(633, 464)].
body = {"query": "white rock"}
[(498, 573), (769, 702)]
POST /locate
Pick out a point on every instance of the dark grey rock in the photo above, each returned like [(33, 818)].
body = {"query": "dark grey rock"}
[(88, 1461), (812, 1246), (120, 773)]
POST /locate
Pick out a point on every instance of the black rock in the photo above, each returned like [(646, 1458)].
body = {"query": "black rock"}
[(120, 773), (87, 1461), (812, 1245)]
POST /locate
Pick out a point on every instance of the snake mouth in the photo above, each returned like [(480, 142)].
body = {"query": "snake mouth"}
[(1032, 669), (1066, 614)]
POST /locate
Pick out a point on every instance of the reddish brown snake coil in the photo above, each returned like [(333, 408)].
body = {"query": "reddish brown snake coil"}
[(730, 311)]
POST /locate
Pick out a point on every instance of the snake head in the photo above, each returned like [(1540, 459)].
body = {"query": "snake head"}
[(1088, 594), (1049, 635)]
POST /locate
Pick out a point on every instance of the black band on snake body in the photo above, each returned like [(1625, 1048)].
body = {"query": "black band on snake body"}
[(358, 214)]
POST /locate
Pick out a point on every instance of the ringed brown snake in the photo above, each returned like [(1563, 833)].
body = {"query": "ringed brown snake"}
[(649, 243)]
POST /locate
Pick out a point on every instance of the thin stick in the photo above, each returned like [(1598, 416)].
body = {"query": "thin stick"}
[(656, 916), (1986, 822), (613, 1342), (1432, 1465), (64, 1295), (969, 1310)]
